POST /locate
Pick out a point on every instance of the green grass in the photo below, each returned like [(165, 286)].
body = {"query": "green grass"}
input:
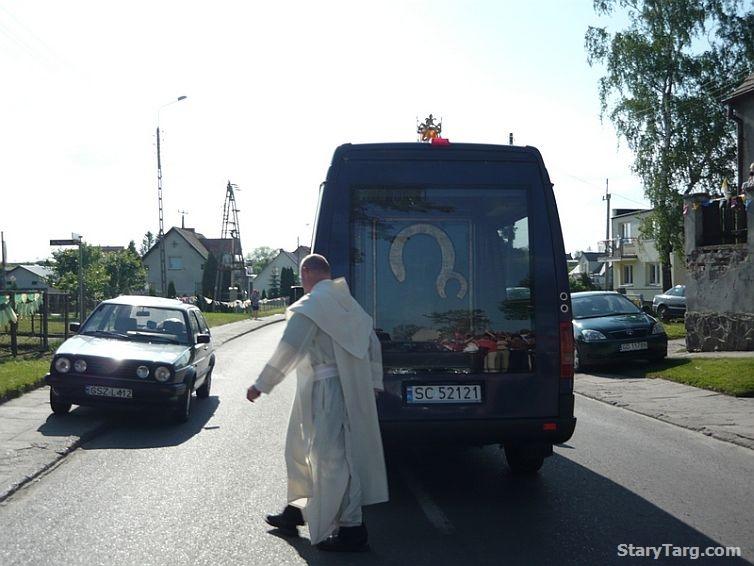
[(220, 318), (19, 375), (732, 376), (675, 329)]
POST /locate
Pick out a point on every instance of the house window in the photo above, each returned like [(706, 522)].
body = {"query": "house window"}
[(628, 275), (34, 283), (653, 274), (625, 230), (175, 263)]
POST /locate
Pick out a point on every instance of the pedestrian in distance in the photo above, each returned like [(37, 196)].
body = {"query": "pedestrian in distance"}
[(333, 452), (254, 303)]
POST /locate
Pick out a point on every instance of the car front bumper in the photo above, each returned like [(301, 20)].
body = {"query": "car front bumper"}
[(72, 389), (607, 351)]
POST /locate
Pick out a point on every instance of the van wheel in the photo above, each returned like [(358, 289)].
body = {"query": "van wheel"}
[(521, 463), (204, 390), (58, 406)]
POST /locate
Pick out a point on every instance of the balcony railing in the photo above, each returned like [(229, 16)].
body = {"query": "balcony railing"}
[(617, 248), (723, 222)]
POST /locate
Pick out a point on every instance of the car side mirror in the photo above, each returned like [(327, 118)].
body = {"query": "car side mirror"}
[(74, 326), (202, 338)]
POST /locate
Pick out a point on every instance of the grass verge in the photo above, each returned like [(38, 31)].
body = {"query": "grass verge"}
[(220, 318), (675, 329), (732, 376), (20, 375)]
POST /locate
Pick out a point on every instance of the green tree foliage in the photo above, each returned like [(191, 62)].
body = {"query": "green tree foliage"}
[(105, 275), (260, 257), (287, 280), (125, 272), (209, 274), (274, 284), (581, 282), (664, 77), (264, 294), (146, 243), (171, 290)]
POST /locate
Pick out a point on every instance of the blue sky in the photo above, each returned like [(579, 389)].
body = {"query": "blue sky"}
[(272, 89)]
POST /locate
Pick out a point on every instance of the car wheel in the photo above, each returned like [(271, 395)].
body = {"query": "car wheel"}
[(203, 391), (183, 412), (59, 406), (521, 463), (578, 365), (662, 312)]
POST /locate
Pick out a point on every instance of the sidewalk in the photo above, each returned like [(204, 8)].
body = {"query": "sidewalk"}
[(32, 440)]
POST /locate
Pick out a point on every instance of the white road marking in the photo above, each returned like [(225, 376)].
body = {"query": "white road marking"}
[(431, 510)]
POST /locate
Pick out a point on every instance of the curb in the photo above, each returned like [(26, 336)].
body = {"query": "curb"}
[(730, 439), (95, 431)]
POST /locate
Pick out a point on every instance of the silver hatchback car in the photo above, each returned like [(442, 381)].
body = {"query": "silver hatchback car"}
[(671, 303)]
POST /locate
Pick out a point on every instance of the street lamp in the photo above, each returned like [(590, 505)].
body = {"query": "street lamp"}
[(161, 234)]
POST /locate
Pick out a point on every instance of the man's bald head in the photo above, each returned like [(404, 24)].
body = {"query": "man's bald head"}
[(314, 268)]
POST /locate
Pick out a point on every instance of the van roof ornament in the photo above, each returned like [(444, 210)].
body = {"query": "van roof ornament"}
[(428, 130)]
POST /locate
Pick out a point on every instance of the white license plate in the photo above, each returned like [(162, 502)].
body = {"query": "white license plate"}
[(633, 346), (102, 391), (420, 394)]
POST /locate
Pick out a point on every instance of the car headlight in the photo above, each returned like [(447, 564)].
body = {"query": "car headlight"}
[(142, 372), (162, 374), (658, 328), (592, 335), (62, 365), (79, 366)]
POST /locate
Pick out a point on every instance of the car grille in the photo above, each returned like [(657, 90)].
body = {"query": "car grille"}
[(632, 333), (107, 367)]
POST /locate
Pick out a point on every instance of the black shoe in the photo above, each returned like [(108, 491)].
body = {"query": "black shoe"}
[(287, 521), (348, 539)]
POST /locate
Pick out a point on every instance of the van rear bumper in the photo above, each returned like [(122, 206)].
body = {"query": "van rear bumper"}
[(480, 431)]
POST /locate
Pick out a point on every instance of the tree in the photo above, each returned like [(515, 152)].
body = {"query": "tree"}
[(260, 257), (125, 272), (209, 274), (264, 294), (146, 243), (664, 77), (581, 282), (66, 272), (286, 281), (274, 284), (171, 290)]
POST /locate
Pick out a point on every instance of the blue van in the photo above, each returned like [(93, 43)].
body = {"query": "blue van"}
[(456, 252)]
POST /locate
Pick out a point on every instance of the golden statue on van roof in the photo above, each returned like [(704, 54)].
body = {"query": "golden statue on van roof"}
[(428, 130)]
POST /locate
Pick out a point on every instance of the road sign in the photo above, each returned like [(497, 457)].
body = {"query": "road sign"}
[(65, 242)]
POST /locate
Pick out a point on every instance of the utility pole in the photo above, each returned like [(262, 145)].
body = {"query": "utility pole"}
[(2, 267), (161, 233), (606, 198)]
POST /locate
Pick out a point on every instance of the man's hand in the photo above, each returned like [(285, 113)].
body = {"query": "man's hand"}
[(252, 393)]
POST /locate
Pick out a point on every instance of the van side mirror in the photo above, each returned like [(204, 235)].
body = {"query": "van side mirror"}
[(202, 338), (74, 326)]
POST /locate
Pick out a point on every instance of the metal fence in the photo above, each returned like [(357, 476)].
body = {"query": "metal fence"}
[(41, 320)]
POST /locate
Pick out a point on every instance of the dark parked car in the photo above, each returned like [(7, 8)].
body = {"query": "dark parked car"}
[(671, 303), (135, 351), (607, 327)]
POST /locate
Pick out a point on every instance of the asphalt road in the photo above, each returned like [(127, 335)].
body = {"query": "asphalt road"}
[(148, 492)]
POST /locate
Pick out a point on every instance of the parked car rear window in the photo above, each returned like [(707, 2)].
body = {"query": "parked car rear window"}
[(602, 305)]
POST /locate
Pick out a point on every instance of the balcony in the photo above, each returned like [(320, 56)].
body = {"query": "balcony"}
[(617, 248)]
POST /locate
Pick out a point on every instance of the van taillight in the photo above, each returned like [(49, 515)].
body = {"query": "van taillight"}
[(566, 350)]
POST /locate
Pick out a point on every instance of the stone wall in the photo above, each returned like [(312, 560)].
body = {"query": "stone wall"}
[(713, 331)]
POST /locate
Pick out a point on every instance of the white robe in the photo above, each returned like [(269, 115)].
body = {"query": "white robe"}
[(328, 326)]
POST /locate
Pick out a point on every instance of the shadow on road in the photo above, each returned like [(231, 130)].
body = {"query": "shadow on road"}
[(134, 428), (565, 515)]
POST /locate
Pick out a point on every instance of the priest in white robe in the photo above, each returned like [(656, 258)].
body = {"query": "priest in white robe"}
[(333, 453)]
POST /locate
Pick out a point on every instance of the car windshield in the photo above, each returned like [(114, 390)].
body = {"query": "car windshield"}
[(602, 305), (129, 322)]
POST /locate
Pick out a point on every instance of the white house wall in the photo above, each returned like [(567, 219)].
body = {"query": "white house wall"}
[(264, 279), (188, 278)]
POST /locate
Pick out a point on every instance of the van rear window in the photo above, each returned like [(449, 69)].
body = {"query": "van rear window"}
[(446, 274)]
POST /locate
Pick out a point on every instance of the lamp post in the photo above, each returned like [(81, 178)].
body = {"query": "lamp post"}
[(161, 233)]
